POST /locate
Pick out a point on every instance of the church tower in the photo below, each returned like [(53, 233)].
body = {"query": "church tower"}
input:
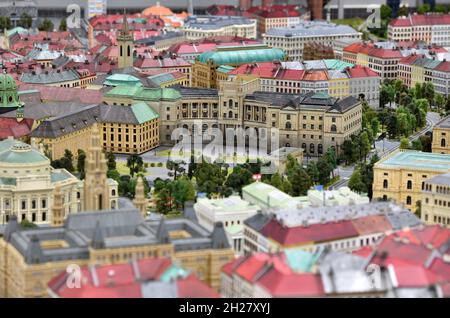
[(57, 208), (139, 198), (125, 42), (96, 190)]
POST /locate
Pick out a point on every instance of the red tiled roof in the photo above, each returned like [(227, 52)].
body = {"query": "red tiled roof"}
[(361, 71), (400, 22), (408, 60), (416, 19), (309, 234), (65, 94), (121, 281), (292, 285), (364, 252), (414, 276), (372, 224), (443, 67), (11, 127), (269, 70), (209, 44), (354, 47), (434, 235), (192, 287), (385, 53), (315, 75)]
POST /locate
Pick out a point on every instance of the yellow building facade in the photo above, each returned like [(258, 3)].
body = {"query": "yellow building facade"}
[(401, 176), (436, 200), (26, 268), (441, 136)]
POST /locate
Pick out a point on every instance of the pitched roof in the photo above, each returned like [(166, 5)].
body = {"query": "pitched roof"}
[(144, 278), (361, 71), (64, 94), (292, 285), (314, 233), (10, 127)]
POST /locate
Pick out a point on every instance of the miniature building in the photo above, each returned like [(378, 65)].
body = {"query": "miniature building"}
[(402, 175), (30, 259)]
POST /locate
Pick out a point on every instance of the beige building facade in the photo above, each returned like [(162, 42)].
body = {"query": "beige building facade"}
[(402, 175), (441, 136), (436, 200)]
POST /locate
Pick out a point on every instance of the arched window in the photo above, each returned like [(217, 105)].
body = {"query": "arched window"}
[(113, 192), (385, 197), (320, 149), (304, 146), (408, 200), (409, 185), (230, 114), (128, 50), (311, 148), (333, 128), (288, 125), (442, 142), (385, 184), (204, 127), (230, 103)]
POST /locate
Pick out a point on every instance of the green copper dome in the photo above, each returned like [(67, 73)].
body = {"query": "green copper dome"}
[(7, 82), (20, 153), (8, 92)]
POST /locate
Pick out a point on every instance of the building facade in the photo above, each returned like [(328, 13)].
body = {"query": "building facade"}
[(313, 122), (329, 76), (435, 208), (231, 211), (430, 28), (30, 259), (204, 70), (313, 229), (200, 27), (401, 176), (441, 136), (293, 39), (28, 182)]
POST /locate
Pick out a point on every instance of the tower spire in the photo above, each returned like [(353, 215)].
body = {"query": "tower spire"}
[(125, 27), (96, 190), (139, 198)]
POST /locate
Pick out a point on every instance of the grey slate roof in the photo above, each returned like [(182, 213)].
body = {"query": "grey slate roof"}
[(39, 111), (189, 212), (193, 92), (219, 236), (257, 221), (344, 273), (156, 289), (297, 216), (107, 229), (441, 179), (444, 123), (68, 123), (67, 118), (117, 114), (162, 234), (308, 100), (152, 40), (50, 77), (214, 22), (312, 29)]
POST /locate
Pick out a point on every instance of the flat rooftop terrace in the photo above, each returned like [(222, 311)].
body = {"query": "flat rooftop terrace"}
[(417, 160)]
